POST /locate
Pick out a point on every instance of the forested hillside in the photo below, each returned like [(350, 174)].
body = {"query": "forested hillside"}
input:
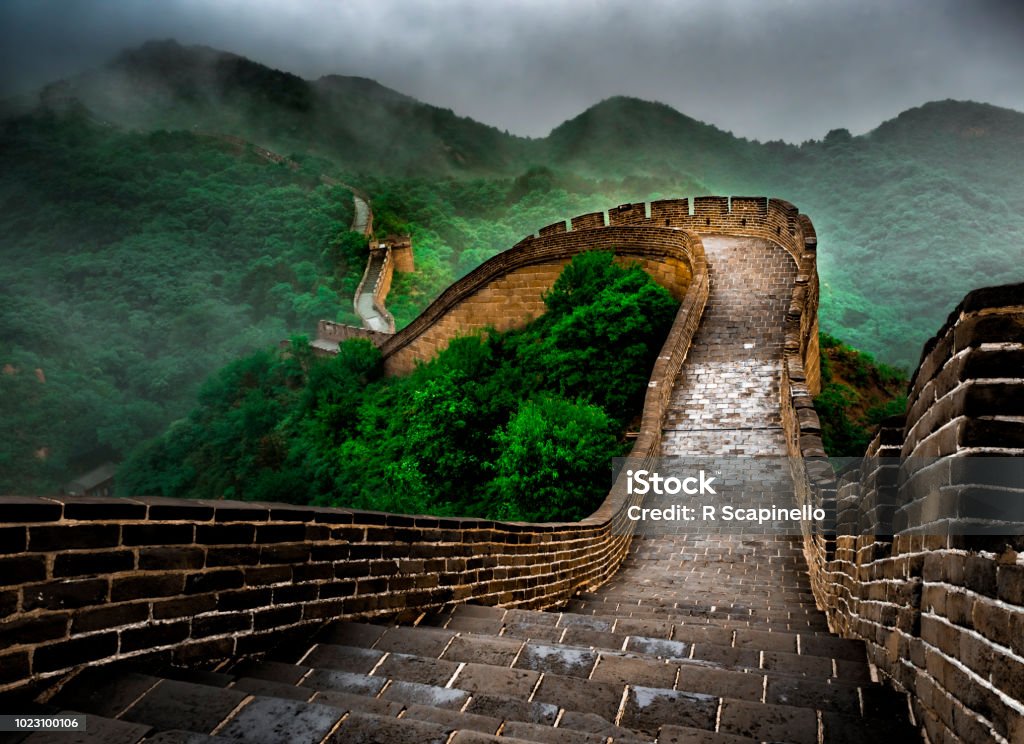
[(133, 265), (139, 253), (910, 216), (515, 425)]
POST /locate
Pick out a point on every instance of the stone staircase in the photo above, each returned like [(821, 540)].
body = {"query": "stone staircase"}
[(624, 664), (700, 637)]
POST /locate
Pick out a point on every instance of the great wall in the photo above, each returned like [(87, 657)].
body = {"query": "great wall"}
[(895, 618)]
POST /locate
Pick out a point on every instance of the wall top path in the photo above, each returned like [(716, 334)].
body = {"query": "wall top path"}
[(635, 229)]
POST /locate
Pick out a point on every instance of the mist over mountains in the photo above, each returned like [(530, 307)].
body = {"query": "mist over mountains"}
[(118, 218), (933, 190)]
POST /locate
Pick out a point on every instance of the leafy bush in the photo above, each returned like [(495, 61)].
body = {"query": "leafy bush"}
[(515, 425)]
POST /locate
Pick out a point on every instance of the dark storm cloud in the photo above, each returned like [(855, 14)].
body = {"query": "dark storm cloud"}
[(766, 70)]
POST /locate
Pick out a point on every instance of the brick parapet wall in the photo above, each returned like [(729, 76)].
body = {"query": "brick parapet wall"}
[(383, 286), (507, 290), (94, 581), (86, 581), (328, 330), (942, 611)]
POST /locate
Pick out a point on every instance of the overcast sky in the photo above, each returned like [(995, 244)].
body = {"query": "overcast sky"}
[(765, 69)]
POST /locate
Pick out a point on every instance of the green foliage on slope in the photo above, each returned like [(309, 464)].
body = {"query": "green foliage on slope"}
[(857, 394), (131, 266), (910, 216), (515, 425), (138, 263)]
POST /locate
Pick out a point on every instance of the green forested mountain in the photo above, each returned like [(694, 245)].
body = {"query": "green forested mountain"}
[(138, 254), (131, 267), (910, 216)]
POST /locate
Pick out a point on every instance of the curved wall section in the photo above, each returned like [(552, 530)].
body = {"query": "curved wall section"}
[(507, 291)]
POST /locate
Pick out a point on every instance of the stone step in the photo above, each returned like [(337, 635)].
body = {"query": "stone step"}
[(643, 635), (473, 665), (661, 598), (627, 697), (712, 608), (574, 622), (264, 708), (366, 728), (794, 623)]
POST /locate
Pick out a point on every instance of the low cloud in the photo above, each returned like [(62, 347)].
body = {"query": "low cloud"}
[(788, 70)]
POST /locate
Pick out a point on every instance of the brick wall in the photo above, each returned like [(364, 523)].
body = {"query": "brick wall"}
[(941, 609), (98, 580), (507, 290), (401, 251)]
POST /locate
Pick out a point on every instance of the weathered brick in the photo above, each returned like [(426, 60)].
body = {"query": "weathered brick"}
[(153, 636), (276, 617), (8, 602), (980, 575), (14, 509), (66, 654), (184, 607), (103, 508), (69, 537), (265, 575), (65, 594), (158, 534), (214, 581), (14, 667), (233, 511), (291, 554), (13, 539), (204, 651), (34, 630), (244, 599), (225, 534), (220, 624), (1010, 584), (93, 562), (22, 569), (151, 559), (248, 555), (295, 593), (168, 510), (143, 586), (110, 616)]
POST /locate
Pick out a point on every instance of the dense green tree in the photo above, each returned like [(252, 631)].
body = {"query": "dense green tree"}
[(520, 424)]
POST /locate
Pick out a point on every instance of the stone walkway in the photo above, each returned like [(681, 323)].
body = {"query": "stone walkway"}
[(365, 307), (701, 637)]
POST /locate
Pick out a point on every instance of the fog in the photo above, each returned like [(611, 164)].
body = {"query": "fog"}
[(776, 70)]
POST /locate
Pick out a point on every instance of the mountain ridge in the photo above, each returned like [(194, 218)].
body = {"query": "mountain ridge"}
[(641, 130)]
